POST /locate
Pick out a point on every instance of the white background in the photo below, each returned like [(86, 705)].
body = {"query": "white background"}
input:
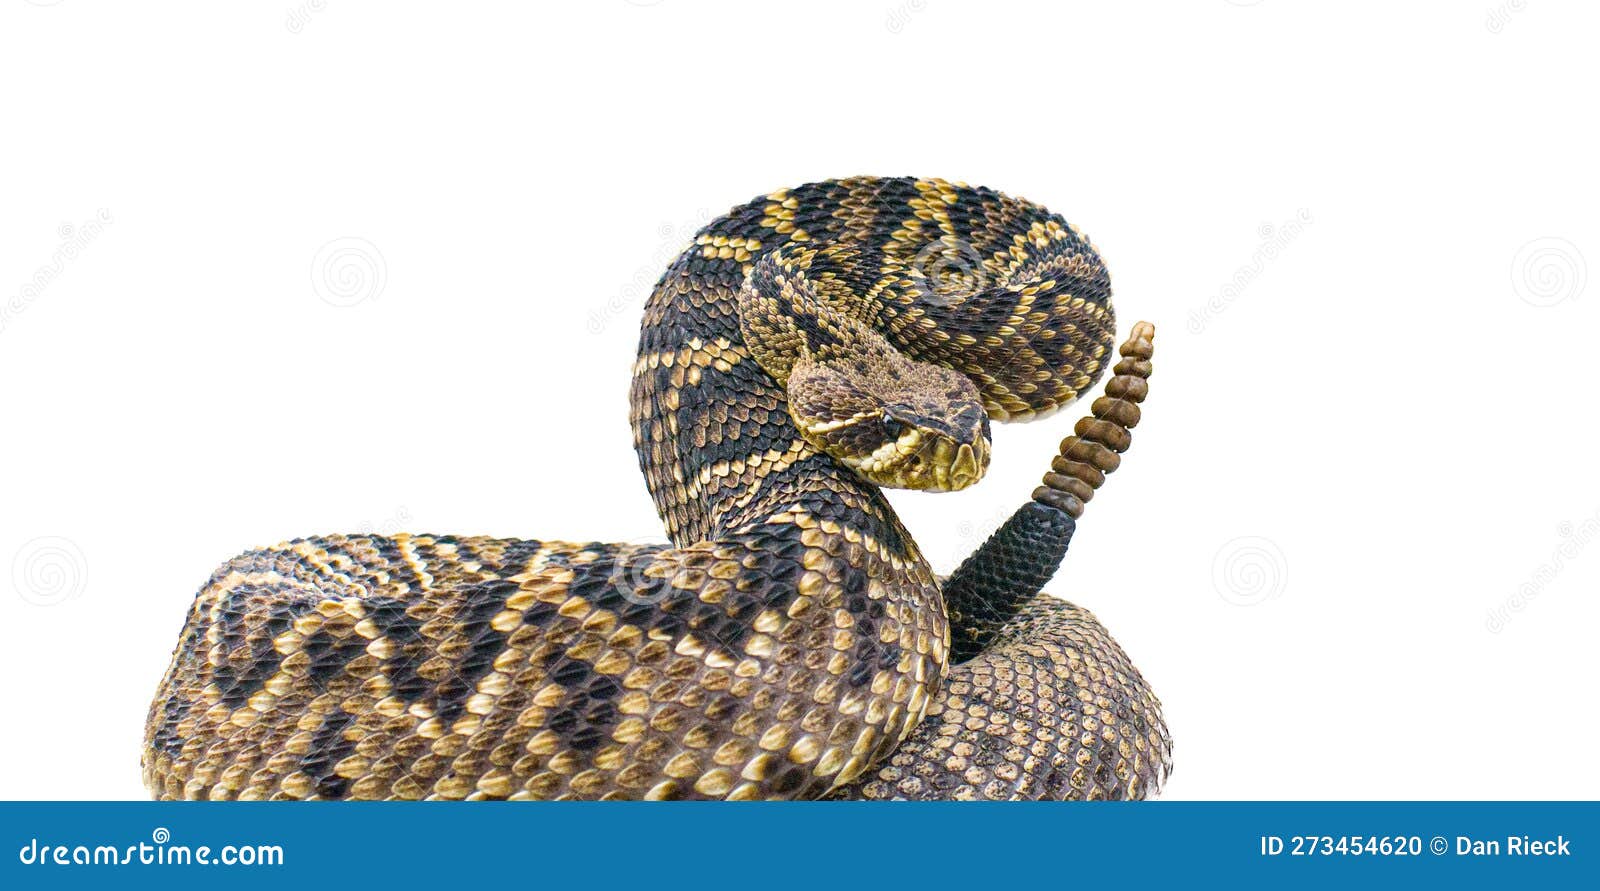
[(1355, 546)]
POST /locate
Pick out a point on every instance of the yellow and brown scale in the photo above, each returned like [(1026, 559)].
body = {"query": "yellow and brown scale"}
[(788, 639)]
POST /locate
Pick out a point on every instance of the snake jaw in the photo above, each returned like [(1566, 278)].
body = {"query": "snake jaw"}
[(966, 469), (957, 468), (923, 460)]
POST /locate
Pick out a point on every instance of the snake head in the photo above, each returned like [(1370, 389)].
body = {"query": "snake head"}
[(895, 422)]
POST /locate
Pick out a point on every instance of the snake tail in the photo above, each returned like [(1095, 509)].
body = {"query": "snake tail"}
[(1016, 562), (1095, 448)]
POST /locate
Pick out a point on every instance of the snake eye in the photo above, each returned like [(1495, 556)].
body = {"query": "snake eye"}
[(893, 428)]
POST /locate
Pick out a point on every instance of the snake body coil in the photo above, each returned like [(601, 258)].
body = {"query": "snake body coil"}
[(809, 346)]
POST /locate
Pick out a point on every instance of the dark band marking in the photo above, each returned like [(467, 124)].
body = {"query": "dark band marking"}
[(481, 602), (411, 650), (331, 653), (239, 682), (329, 746)]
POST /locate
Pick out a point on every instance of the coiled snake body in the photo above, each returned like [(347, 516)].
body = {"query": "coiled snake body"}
[(792, 641)]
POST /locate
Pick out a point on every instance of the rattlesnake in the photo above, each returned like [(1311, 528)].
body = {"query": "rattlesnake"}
[(792, 641)]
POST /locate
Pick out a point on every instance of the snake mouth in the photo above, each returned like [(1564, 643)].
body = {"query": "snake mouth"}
[(925, 461)]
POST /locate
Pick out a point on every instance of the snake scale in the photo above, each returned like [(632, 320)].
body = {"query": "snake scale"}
[(791, 641)]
